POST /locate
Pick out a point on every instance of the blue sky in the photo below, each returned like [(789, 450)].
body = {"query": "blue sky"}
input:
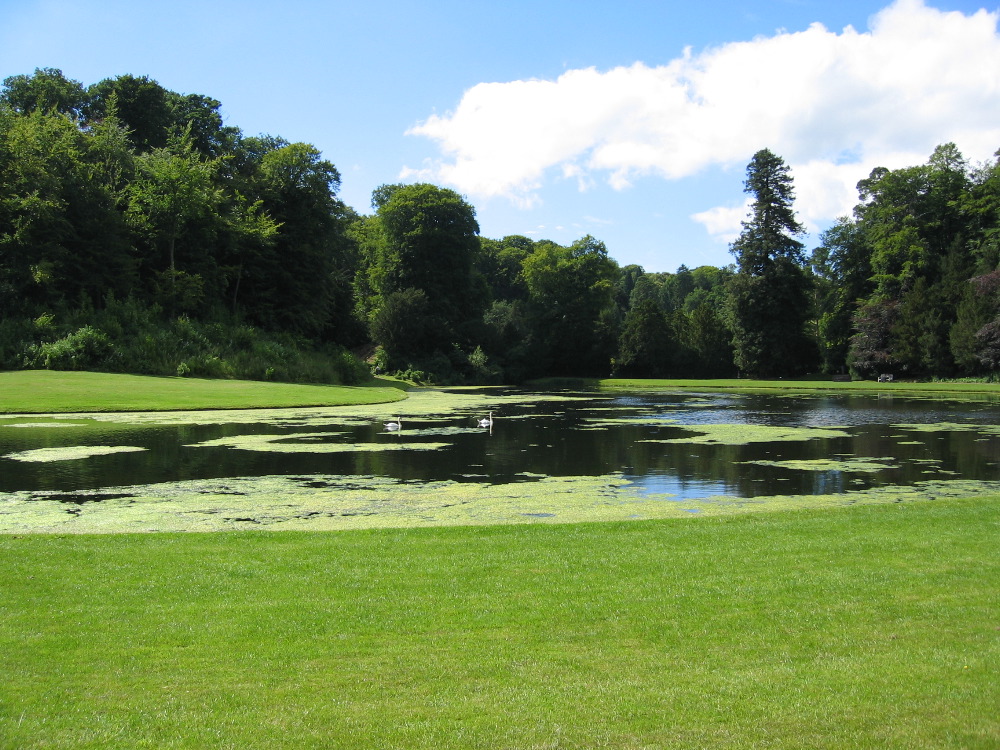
[(631, 121)]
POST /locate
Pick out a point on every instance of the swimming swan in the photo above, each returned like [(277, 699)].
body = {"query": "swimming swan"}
[(392, 426), (487, 422)]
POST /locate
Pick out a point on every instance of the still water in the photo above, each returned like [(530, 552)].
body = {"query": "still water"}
[(651, 439)]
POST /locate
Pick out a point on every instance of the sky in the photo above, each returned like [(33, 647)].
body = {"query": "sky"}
[(632, 121)]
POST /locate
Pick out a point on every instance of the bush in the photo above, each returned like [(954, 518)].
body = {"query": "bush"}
[(88, 348)]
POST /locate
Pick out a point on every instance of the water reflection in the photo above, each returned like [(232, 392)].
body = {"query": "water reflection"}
[(584, 434)]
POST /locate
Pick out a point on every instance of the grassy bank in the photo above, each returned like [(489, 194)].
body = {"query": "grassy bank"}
[(855, 386), (868, 627), (48, 391)]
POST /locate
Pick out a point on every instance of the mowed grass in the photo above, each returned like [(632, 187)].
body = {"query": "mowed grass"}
[(48, 391), (869, 626), (956, 388)]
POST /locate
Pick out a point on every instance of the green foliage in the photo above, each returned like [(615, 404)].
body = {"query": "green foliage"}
[(769, 298), (139, 102), (709, 341), (483, 371), (84, 349), (125, 189), (14, 333), (769, 335), (770, 232), (403, 324), (428, 241), (569, 288), (644, 349), (47, 90), (128, 337), (921, 233)]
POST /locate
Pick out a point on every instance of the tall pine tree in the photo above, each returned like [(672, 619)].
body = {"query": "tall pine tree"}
[(770, 296)]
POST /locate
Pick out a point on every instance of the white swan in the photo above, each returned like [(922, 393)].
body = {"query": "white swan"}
[(392, 426), (487, 421)]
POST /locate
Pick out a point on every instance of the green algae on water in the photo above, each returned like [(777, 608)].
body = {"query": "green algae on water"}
[(832, 464), (988, 429), (304, 443), (71, 452), (339, 502), (742, 434)]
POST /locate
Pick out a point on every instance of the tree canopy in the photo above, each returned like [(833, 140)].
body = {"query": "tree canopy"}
[(140, 232)]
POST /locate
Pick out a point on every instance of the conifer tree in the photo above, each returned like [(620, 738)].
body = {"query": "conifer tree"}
[(769, 297)]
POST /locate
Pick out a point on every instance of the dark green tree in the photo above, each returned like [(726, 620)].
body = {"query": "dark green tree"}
[(648, 286), (403, 325), (140, 103), (915, 224), (770, 295), (173, 204), (500, 261), (980, 208), (569, 288), (710, 343), (644, 347), (426, 238), (61, 232), (769, 234), (300, 281), (47, 90), (842, 271), (199, 118)]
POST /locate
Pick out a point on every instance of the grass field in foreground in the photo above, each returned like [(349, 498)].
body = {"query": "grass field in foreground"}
[(49, 391), (863, 627)]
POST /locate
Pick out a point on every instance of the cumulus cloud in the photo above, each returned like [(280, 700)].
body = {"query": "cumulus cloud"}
[(832, 104)]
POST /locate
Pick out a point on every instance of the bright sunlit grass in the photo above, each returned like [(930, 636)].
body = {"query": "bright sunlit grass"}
[(825, 384), (860, 627), (48, 391)]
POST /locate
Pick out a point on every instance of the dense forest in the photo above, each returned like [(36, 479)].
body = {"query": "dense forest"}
[(139, 233)]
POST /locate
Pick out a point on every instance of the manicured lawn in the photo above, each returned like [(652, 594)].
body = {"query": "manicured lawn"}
[(869, 626), (48, 391), (856, 386)]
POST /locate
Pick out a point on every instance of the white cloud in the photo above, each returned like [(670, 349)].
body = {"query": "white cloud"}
[(724, 222), (833, 105)]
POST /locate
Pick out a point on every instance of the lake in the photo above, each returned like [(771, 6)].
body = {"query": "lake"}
[(548, 456)]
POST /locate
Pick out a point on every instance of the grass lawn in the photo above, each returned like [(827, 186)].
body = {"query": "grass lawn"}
[(48, 391), (799, 386), (872, 626)]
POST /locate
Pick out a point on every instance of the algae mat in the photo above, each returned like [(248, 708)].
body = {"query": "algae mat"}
[(336, 502)]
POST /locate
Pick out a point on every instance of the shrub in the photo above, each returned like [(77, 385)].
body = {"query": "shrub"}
[(86, 348)]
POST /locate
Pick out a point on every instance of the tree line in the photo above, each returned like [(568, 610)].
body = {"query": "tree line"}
[(140, 233)]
